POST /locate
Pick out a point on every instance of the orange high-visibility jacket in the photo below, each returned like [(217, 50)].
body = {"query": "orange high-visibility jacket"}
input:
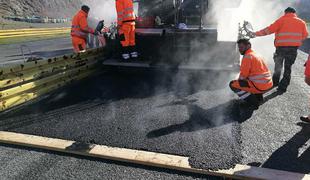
[(254, 69), (79, 26), (289, 30), (125, 11)]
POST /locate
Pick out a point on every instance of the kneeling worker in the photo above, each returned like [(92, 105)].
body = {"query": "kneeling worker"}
[(254, 78), (80, 30)]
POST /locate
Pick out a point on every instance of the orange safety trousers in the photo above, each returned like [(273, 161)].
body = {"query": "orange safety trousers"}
[(127, 33), (244, 88), (79, 44), (248, 87)]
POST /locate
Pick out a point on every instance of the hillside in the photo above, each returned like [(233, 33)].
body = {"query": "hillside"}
[(51, 8)]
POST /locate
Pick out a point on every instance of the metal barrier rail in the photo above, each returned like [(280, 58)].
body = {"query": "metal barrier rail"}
[(23, 82), (33, 29), (33, 32)]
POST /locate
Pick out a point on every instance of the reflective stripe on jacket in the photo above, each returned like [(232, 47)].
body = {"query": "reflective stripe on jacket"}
[(125, 11), (289, 30), (254, 69), (79, 26)]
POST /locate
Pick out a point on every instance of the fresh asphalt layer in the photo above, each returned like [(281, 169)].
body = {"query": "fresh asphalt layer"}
[(176, 113), (148, 111)]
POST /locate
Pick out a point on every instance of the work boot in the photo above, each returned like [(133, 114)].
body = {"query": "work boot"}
[(281, 90), (125, 56), (305, 119), (260, 98), (125, 53), (133, 53), (252, 101)]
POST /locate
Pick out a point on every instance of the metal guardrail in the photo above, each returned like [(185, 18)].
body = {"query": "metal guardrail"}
[(23, 82), (32, 29), (4, 34)]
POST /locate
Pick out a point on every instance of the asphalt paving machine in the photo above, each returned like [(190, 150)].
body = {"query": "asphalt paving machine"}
[(176, 33)]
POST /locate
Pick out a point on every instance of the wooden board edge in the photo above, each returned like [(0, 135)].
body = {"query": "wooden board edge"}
[(142, 157)]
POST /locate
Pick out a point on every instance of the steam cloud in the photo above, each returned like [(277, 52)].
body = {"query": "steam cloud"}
[(102, 10), (261, 13)]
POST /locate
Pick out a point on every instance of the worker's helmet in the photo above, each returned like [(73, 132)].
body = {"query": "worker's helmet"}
[(85, 8), (245, 41), (290, 10)]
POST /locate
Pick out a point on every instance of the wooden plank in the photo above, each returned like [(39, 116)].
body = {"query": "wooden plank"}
[(142, 157)]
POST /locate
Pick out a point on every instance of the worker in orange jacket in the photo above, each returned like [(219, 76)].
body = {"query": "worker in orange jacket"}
[(290, 31), (254, 78), (126, 28), (307, 80), (80, 30)]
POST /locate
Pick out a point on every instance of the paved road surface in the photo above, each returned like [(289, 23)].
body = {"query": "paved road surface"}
[(47, 48)]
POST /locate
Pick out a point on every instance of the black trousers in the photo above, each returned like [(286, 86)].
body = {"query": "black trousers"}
[(286, 56)]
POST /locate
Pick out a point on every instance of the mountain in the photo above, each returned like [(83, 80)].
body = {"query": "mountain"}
[(50, 8)]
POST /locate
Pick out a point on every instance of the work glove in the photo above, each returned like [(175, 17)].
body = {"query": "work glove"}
[(91, 31), (96, 33), (100, 26), (251, 34)]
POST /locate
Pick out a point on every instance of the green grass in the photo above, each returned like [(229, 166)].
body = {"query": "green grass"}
[(29, 39)]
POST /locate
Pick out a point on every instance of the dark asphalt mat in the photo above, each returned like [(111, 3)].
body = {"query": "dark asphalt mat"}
[(175, 113)]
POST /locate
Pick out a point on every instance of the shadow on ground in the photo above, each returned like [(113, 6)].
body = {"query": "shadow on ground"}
[(294, 155), (203, 119)]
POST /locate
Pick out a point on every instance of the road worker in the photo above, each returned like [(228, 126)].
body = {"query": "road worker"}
[(101, 31), (96, 40), (126, 28), (307, 80), (254, 78), (290, 31), (80, 30)]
